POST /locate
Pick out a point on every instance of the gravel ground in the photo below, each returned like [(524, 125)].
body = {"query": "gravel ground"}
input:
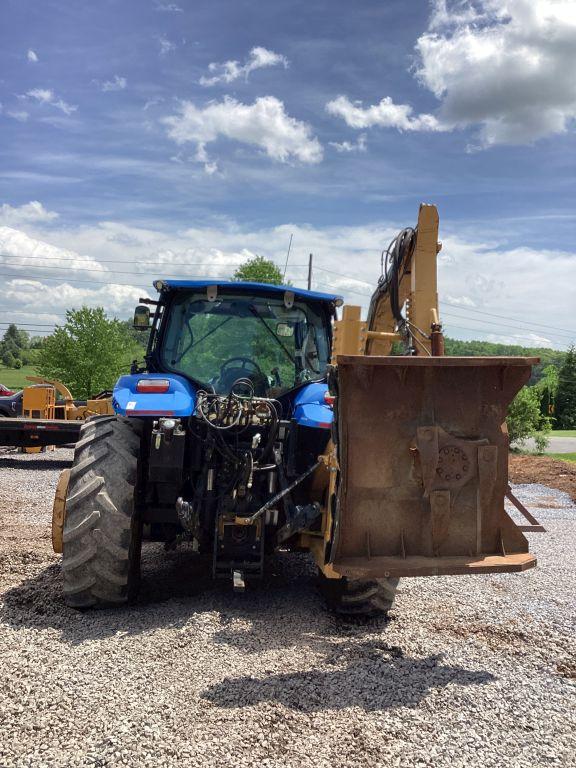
[(468, 672)]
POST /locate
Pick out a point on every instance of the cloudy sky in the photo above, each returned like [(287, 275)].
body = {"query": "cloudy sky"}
[(151, 138)]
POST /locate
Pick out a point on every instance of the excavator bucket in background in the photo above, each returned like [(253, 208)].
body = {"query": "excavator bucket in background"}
[(422, 450)]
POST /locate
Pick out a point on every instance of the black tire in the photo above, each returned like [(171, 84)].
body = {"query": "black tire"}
[(102, 535), (358, 599)]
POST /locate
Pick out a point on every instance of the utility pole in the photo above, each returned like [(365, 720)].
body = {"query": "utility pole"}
[(310, 272), (287, 256)]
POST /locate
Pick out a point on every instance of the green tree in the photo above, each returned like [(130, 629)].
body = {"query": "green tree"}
[(14, 345), (20, 339), (488, 348), (8, 358), (140, 338), (566, 395), (525, 419), (259, 270), (36, 342), (547, 389), (87, 353)]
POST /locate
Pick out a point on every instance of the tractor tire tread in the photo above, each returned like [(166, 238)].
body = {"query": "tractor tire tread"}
[(101, 534), (357, 598)]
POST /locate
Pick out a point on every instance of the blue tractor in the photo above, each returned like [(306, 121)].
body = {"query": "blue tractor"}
[(215, 442), (261, 421)]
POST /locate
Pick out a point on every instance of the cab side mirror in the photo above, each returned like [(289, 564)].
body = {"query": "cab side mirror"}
[(141, 318)]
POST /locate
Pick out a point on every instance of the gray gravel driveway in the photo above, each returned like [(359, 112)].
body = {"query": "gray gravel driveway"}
[(470, 671)]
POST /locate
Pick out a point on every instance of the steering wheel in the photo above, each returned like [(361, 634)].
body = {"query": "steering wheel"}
[(238, 368), (244, 362)]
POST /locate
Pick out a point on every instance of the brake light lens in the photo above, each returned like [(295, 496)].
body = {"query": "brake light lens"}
[(153, 386), (329, 399)]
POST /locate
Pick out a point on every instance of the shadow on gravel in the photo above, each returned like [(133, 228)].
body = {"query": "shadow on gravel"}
[(37, 464), (282, 611), (376, 678)]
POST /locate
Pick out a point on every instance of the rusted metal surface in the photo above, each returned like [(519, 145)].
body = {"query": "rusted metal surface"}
[(59, 511), (423, 453), (534, 526), (437, 341), (411, 565)]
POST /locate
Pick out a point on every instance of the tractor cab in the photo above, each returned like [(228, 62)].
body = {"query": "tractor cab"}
[(252, 339)]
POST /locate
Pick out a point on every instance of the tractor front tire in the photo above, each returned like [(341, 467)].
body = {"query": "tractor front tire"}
[(102, 536), (357, 598)]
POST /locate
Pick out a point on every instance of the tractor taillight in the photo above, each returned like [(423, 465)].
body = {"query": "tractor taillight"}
[(153, 386), (329, 399)]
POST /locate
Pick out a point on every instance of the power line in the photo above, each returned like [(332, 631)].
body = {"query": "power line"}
[(103, 272), (161, 265), (133, 262), (503, 317), (504, 325), (94, 283), (46, 325), (142, 277), (451, 303), (486, 332)]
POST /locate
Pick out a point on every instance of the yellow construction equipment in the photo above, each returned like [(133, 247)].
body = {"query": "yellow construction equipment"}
[(47, 420), (419, 468), (65, 407)]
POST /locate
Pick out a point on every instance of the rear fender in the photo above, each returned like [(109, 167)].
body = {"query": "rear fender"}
[(179, 401), (310, 408)]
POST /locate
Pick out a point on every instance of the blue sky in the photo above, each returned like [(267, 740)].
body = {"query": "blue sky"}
[(151, 132)]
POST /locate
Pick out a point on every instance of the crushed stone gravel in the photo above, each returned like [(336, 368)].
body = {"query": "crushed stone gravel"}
[(469, 671)]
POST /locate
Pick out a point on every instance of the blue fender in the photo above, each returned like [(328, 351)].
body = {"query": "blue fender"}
[(178, 401), (310, 408)]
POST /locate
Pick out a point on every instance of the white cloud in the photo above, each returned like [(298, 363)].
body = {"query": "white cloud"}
[(116, 84), (43, 95), (386, 114), (152, 103), (166, 46), (18, 114), (350, 146), (46, 96), (522, 339), (32, 56), (228, 71), (263, 124), (505, 67), (26, 257), (462, 301), (30, 212)]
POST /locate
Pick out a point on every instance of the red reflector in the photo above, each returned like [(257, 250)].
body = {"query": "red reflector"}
[(329, 399), (153, 386)]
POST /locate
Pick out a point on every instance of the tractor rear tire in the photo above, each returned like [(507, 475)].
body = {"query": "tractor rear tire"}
[(357, 598), (102, 536)]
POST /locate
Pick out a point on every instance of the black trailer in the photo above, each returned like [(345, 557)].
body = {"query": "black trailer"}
[(32, 433)]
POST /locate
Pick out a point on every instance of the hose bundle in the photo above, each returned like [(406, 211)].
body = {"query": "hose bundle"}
[(395, 260)]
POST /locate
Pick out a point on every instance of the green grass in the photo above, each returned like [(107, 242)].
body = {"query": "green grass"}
[(563, 433), (14, 378), (562, 456)]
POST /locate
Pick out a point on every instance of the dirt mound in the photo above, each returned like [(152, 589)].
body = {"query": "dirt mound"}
[(542, 469)]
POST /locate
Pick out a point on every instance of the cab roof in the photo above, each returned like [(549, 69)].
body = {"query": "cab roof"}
[(240, 287)]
